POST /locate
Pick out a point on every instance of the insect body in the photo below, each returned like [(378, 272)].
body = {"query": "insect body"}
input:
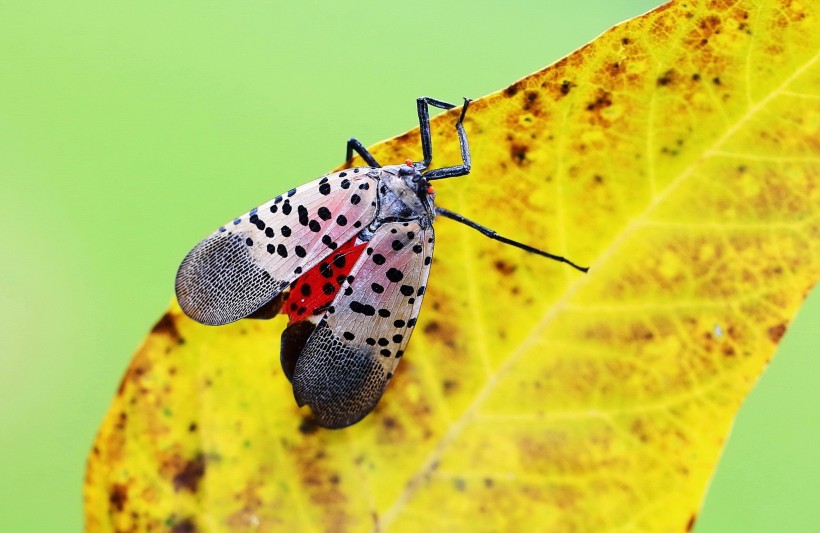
[(347, 258)]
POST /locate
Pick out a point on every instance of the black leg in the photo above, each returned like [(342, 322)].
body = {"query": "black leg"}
[(427, 145), (354, 144), (423, 105), (493, 235)]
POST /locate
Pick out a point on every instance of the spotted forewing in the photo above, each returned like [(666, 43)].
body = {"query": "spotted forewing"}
[(250, 260)]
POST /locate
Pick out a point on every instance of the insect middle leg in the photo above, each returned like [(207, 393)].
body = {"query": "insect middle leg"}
[(354, 144)]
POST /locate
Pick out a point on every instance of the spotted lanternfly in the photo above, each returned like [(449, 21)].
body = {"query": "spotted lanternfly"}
[(346, 257)]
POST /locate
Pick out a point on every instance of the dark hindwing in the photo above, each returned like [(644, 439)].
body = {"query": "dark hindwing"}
[(250, 260), (349, 358)]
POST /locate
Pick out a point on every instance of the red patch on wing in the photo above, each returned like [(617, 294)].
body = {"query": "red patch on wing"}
[(314, 291)]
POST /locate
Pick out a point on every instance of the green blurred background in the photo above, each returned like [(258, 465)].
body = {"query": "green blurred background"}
[(130, 130)]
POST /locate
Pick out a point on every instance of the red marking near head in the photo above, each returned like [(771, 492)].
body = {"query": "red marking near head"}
[(430, 190), (409, 163)]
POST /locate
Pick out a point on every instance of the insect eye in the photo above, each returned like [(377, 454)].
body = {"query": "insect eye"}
[(406, 171)]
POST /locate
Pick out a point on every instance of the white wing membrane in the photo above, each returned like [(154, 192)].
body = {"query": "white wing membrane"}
[(253, 258), (350, 357)]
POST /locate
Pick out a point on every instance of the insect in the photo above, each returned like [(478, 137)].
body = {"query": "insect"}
[(347, 258)]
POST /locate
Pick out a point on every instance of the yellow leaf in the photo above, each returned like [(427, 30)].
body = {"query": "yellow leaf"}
[(678, 154)]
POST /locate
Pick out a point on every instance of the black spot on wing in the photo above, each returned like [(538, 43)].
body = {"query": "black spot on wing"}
[(395, 275), (303, 215), (364, 309)]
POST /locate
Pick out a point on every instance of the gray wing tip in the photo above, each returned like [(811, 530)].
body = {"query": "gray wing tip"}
[(340, 382), (219, 281)]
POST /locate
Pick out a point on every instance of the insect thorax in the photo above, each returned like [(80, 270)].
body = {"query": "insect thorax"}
[(402, 197)]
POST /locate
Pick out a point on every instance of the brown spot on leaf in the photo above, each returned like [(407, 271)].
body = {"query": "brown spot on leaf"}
[(167, 326), (776, 332), (121, 387), (639, 332), (118, 497), (691, 523), (710, 24), (667, 78), (566, 87), (308, 426), (513, 89), (530, 101), (248, 502), (602, 100), (122, 419), (504, 268), (191, 474), (446, 336), (518, 153), (318, 475), (639, 430), (186, 525), (389, 423), (405, 137)]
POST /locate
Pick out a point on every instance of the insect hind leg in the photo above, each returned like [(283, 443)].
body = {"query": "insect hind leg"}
[(487, 232), (423, 105)]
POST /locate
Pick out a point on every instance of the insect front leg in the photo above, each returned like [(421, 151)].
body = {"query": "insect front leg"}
[(423, 104)]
